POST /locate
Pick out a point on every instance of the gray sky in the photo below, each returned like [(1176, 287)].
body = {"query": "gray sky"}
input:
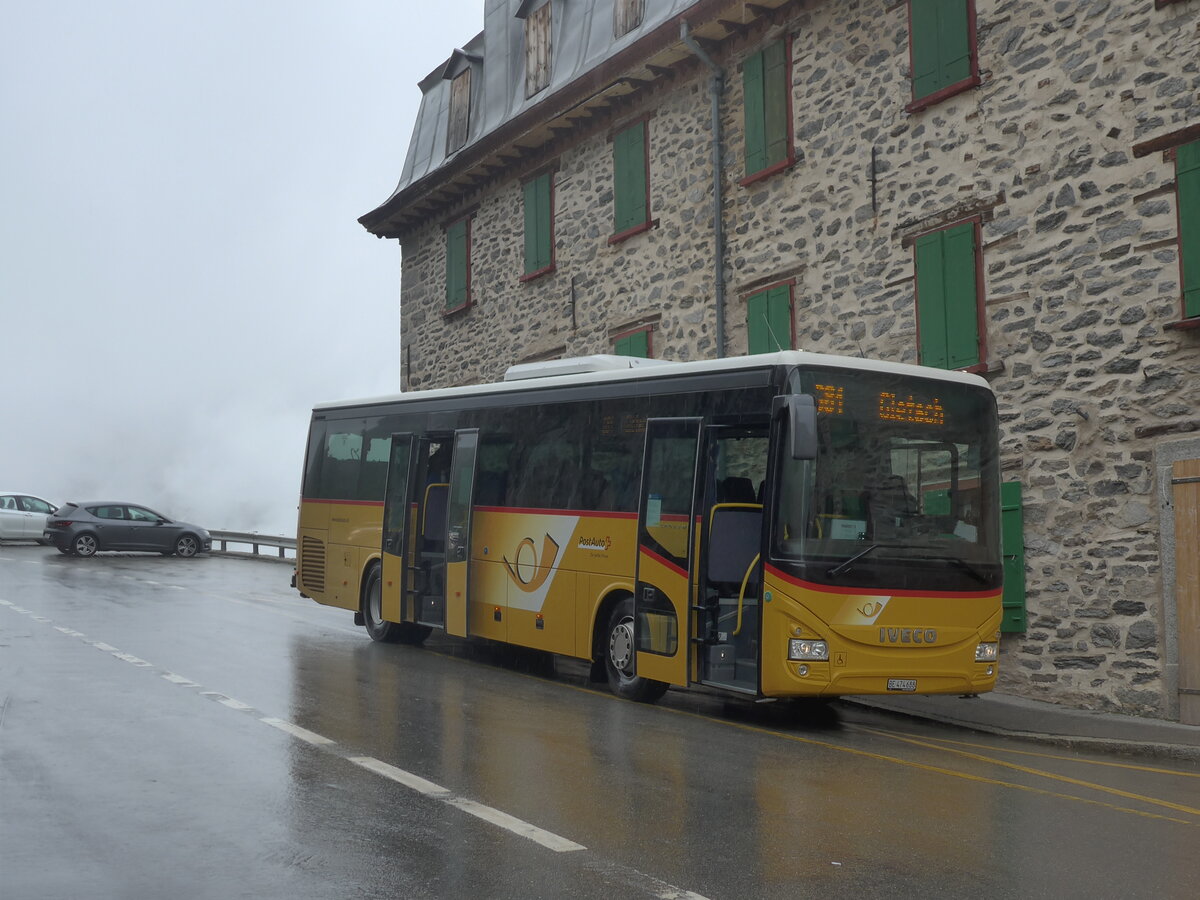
[(182, 275)]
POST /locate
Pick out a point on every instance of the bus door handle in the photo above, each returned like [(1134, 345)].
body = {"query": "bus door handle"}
[(742, 592)]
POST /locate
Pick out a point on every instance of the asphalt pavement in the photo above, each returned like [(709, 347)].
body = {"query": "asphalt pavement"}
[(1005, 714)]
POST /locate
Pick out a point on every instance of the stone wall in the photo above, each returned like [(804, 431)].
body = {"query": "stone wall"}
[(1079, 251)]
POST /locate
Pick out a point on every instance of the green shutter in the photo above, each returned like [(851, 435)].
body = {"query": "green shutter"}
[(931, 301), (962, 298), (1012, 543), (629, 178), (769, 320), (767, 85), (538, 239), (456, 265), (636, 344), (947, 298), (776, 86), (1187, 185), (756, 142), (941, 44)]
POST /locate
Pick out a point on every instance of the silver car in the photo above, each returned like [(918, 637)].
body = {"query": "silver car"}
[(23, 516), (81, 529)]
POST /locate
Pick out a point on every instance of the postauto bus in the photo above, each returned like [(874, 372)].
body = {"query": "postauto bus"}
[(780, 525)]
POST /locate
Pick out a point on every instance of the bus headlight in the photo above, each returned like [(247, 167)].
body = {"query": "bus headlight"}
[(805, 648), (989, 652)]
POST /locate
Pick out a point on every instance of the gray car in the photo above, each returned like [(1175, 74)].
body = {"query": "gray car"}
[(80, 529)]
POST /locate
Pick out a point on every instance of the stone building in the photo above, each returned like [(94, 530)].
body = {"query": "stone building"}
[(1010, 187)]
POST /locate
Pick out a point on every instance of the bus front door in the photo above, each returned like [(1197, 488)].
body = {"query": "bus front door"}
[(664, 581), (458, 529), (397, 590)]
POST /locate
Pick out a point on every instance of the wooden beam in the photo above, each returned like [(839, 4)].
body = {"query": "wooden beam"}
[(1167, 141), (738, 28)]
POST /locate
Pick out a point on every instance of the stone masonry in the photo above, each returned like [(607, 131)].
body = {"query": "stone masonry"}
[(1080, 256)]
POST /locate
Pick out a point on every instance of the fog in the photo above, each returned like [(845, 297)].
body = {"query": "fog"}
[(182, 275)]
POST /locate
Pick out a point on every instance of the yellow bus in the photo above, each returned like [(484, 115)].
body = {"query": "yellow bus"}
[(781, 525)]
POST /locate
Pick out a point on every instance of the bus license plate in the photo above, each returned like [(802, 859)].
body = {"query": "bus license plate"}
[(902, 684)]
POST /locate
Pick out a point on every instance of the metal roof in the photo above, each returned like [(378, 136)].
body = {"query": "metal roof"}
[(590, 68)]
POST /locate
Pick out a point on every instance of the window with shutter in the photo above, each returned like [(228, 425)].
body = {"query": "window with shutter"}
[(627, 15), (635, 343), (769, 320), (539, 224), (1187, 186), (1012, 548), (631, 180), (767, 83), (460, 111), (458, 265), (943, 50), (948, 297), (537, 50)]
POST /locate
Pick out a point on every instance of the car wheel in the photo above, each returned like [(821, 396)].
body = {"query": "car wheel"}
[(620, 655), (85, 544), (187, 546)]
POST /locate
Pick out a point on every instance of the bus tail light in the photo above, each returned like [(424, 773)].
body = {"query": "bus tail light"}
[(987, 652), (804, 648)]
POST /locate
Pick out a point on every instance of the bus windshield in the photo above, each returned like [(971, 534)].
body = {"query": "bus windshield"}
[(904, 493)]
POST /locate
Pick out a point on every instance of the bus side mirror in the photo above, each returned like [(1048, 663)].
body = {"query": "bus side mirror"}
[(801, 424)]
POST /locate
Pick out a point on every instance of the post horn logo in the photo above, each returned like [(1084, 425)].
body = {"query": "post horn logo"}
[(527, 571)]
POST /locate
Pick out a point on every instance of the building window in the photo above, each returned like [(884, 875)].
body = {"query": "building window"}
[(769, 319), (631, 182), (537, 47), (766, 77), (458, 265), (948, 297), (539, 225), (627, 15), (633, 343), (1187, 186), (460, 111), (942, 46)]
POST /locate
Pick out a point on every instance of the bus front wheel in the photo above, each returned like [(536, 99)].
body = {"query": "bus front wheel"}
[(620, 658)]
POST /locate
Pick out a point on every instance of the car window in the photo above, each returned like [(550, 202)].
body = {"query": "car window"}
[(137, 514), (34, 505), (8, 502), (107, 512)]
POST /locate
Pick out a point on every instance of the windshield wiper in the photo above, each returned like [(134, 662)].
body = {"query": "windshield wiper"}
[(970, 569), (846, 564)]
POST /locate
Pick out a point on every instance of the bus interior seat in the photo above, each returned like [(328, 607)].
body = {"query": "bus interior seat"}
[(733, 539), (735, 490), (433, 526)]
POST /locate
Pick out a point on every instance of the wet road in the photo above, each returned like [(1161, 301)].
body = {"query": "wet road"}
[(193, 728)]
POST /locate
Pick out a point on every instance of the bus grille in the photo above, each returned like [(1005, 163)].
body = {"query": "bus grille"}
[(312, 565)]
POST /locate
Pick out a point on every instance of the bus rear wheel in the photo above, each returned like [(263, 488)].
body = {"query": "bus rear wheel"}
[(372, 611), (620, 658)]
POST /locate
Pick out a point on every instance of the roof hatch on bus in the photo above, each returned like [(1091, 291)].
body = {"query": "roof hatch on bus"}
[(597, 362)]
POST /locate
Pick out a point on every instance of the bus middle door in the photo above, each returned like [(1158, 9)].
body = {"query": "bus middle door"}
[(664, 582), (458, 530)]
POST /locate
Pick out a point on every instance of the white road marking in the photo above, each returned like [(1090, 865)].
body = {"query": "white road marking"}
[(309, 737), (487, 814)]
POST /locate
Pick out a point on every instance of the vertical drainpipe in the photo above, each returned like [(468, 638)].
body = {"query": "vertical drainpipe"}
[(716, 86)]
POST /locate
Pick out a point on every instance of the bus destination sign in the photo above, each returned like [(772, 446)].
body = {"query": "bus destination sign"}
[(831, 401)]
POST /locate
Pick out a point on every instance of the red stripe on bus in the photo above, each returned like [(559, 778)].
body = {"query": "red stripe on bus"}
[(674, 567), (873, 592), (344, 502), (530, 511)]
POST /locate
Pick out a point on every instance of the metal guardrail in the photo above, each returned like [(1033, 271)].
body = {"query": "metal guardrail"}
[(222, 539)]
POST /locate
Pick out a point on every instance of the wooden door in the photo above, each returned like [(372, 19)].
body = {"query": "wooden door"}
[(1185, 478)]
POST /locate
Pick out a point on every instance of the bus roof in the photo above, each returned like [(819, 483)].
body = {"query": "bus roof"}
[(608, 369)]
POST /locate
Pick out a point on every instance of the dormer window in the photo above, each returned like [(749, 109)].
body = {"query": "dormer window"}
[(458, 73), (537, 45), (460, 111), (627, 15)]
